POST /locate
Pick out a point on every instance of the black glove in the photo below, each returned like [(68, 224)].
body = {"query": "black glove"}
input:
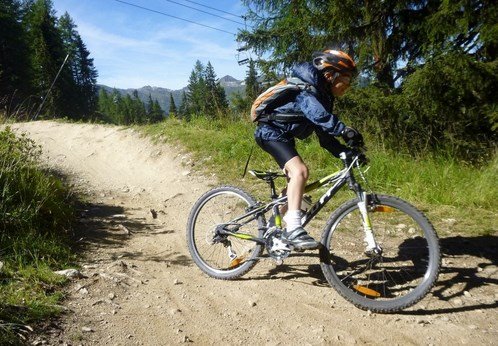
[(352, 137)]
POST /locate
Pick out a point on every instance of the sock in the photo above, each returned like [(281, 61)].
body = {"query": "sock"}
[(293, 219)]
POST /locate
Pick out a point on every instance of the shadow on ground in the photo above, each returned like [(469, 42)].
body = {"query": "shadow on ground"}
[(103, 226), (469, 263), (469, 268)]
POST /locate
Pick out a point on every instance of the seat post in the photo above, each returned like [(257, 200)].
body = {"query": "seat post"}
[(272, 187)]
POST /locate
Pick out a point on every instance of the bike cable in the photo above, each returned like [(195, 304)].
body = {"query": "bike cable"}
[(247, 162)]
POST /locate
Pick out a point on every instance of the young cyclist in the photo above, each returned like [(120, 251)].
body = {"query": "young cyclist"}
[(330, 75)]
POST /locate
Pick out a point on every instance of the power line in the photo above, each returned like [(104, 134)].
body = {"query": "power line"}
[(212, 8), (169, 15), (211, 14), (51, 86)]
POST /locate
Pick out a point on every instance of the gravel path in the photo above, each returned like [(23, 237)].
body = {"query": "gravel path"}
[(140, 286)]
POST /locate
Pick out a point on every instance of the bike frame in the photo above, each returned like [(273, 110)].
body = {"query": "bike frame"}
[(338, 179)]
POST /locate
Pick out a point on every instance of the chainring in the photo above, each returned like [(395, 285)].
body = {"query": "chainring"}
[(275, 247)]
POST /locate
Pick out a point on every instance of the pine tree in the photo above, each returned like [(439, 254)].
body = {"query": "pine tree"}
[(33, 47), (157, 113), (205, 96), (196, 90), (15, 69), (83, 72), (136, 109), (215, 98), (466, 26), (149, 104), (210, 97), (252, 84), (153, 110), (381, 35), (105, 106), (129, 109), (377, 33), (183, 110), (172, 107), (47, 56), (117, 111), (221, 100)]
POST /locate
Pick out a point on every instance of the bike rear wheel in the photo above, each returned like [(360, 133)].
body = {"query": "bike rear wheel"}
[(398, 277), (225, 257)]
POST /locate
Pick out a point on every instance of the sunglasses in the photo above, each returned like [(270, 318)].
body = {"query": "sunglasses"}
[(336, 77)]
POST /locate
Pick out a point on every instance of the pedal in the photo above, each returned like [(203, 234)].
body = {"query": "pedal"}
[(279, 245), (373, 252)]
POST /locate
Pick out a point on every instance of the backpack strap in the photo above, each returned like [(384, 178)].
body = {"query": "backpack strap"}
[(302, 85), (282, 117)]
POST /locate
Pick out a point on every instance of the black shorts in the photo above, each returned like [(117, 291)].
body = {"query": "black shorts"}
[(281, 151)]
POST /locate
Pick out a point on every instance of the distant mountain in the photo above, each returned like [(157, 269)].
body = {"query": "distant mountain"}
[(230, 84), (230, 81), (157, 93)]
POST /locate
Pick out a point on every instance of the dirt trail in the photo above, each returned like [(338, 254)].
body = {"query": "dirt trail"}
[(141, 288)]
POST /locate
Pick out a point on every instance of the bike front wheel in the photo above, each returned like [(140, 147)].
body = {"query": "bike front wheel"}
[(224, 257), (397, 276)]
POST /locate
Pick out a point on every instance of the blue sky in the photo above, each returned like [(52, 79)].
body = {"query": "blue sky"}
[(132, 47)]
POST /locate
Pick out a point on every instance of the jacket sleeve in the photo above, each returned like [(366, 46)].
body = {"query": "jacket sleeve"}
[(314, 111)]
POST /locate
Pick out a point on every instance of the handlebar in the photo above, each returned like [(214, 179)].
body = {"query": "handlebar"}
[(354, 152)]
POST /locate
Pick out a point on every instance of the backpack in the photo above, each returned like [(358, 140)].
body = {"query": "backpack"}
[(277, 96)]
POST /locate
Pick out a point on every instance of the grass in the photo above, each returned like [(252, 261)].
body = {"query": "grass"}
[(458, 198), (35, 219)]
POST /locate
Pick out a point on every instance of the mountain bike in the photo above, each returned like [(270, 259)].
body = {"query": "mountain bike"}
[(377, 251)]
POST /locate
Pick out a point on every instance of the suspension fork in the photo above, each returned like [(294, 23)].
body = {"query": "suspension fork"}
[(369, 238)]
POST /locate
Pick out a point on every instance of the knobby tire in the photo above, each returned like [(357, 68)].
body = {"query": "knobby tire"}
[(401, 276), (216, 207)]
